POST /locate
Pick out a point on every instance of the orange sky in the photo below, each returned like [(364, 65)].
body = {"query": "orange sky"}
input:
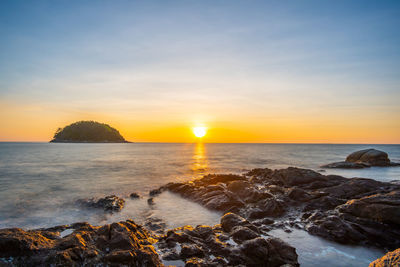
[(30, 122)]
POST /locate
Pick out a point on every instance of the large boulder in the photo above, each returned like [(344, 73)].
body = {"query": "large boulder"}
[(363, 159), (370, 156)]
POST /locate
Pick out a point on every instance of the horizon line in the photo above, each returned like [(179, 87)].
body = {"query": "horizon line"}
[(271, 143)]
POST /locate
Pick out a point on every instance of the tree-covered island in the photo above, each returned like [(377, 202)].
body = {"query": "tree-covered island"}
[(88, 132)]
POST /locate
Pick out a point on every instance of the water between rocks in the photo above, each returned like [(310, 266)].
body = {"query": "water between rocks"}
[(40, 182)]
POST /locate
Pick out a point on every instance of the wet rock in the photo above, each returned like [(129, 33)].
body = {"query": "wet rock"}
[(213, 246), (116, 244), (388, 260), (134, 195), (334, 228), (255, 251), (219, 178), (269, 207), (230, 220), (281, 253), (295, 176), (155, 225), (354, 211), (241, 233), (189, 251), (346, 165), (108, 203), (299, 194), (356, 187), (224, 202), (155, 192), (150, 201), (380, 207), (324, 203)]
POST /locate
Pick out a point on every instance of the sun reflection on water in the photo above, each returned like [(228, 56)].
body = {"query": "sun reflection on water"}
[(200, 162)]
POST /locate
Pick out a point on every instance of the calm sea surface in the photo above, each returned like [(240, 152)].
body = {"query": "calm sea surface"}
[(39, 182)]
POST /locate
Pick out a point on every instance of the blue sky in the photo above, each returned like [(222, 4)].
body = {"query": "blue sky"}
[(208, 61)]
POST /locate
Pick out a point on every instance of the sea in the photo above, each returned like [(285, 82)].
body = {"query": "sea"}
[(40, 183)]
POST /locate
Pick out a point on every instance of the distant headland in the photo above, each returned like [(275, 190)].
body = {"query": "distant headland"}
[(88, 132)]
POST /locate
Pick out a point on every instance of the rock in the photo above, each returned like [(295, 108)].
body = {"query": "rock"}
[(364, 159), (369, 156), (113, 244), (219, 178), (213, 246), (296, 176), (241, 233), (134, 195), (256, 252), (155, 192), (356, 187), (269, 207), (16, 242), (380, 207), (189, 251), (150, 201), (388, 260), (108, 203), (230, 220), (334, 228), (351, 211), (281, 253), (346, 165), (324, 203), (224, 202), (299, 194)]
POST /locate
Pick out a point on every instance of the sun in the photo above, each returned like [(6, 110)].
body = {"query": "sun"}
[(199, 131)]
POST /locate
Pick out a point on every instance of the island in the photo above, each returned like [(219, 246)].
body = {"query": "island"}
[(88, 132)]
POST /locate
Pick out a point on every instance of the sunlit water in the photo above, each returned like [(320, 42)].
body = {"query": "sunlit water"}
[(40, 182)]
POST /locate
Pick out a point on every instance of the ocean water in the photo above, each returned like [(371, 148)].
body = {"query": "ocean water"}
[(40, 182)]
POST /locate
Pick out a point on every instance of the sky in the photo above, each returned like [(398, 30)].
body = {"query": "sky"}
[(249, 71)]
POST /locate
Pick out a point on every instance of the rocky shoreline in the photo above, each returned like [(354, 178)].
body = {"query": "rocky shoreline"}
[(355, 211)]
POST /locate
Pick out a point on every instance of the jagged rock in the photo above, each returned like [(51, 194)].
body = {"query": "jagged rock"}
[(189, 251), (108, 203), (230, 220), (356, 187), (388, 260), (213, 246), (123, 243), (300, 194), (381, 207)]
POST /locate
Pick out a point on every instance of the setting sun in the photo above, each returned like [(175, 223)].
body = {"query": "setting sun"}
[(199, 131)]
